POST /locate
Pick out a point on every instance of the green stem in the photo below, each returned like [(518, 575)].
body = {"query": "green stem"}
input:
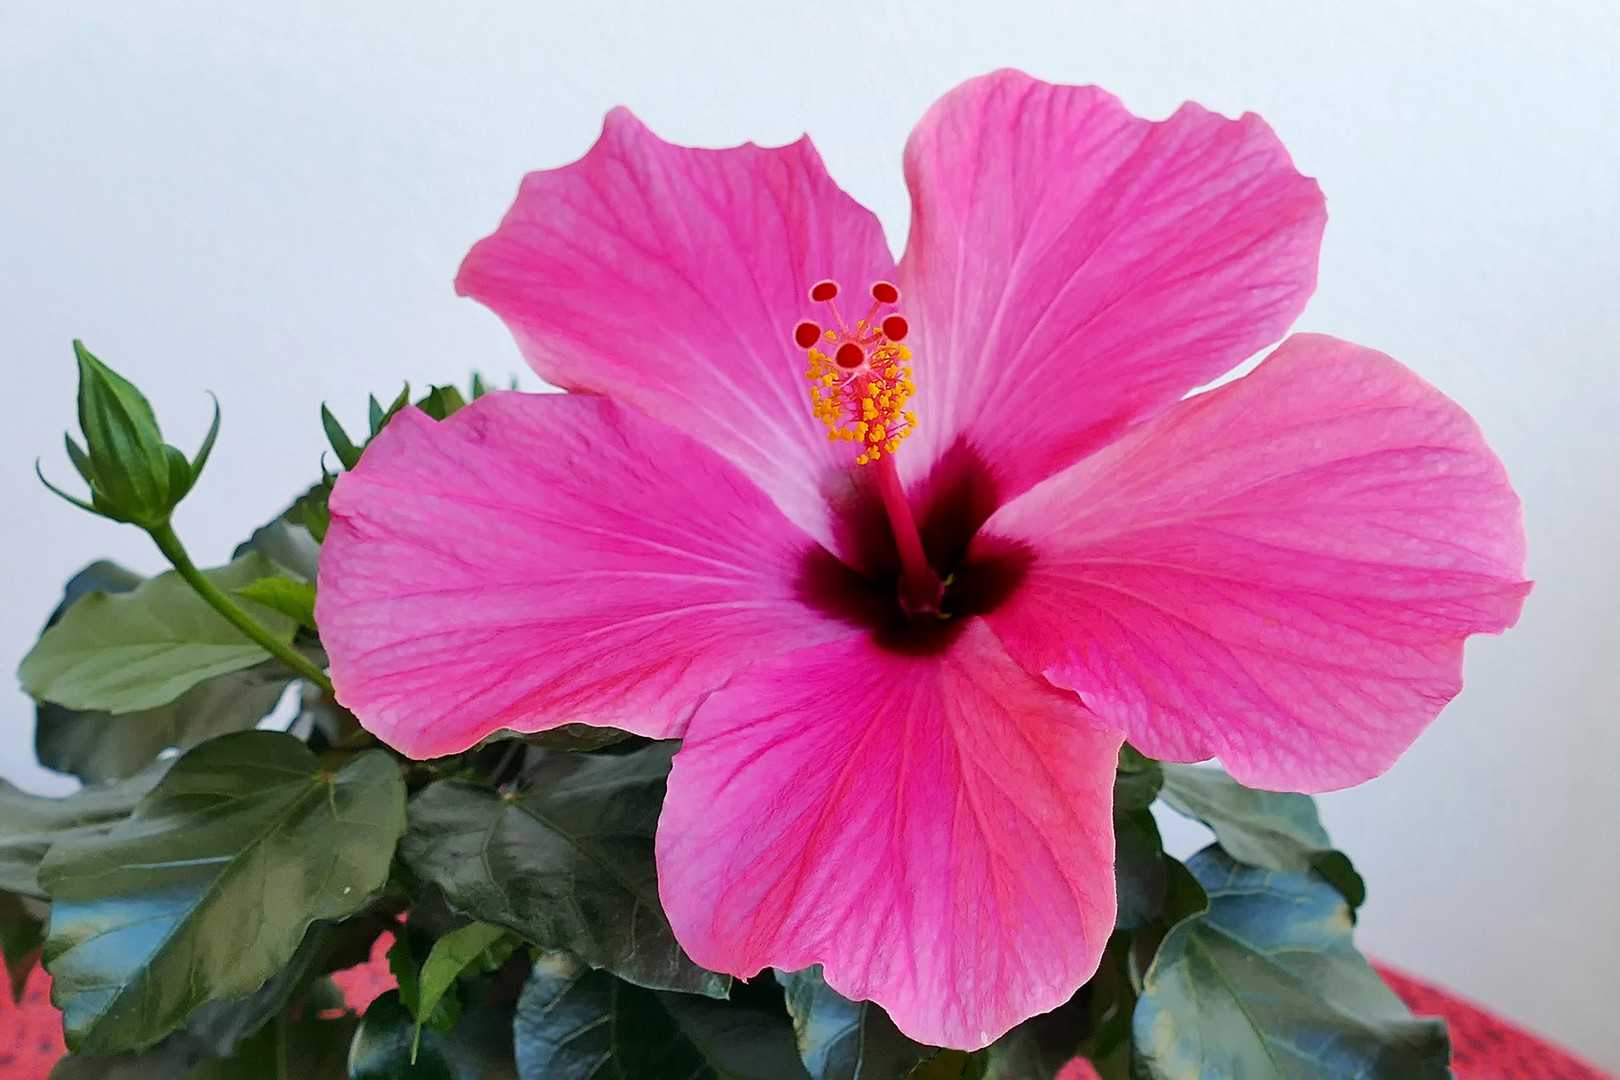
[(164, 537)]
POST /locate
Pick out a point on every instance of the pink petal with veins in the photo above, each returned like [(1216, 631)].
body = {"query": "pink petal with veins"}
[(672, 279), (934, 829), (1072, 268), (1280, 572), (542, 559)]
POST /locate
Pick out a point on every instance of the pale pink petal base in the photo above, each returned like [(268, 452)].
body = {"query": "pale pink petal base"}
[(1280, 572), (934, 830), (671, 278), (542, 559), (1072, 268)]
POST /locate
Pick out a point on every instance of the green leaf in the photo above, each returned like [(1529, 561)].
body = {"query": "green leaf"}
[(1274, 830), (574, 737), (1137, 780), (305, 1048), (1038, 1048), (1267, 985), (145, 648), (1341, 873), (22, 932), (222, 1025), (477, 1048), (98, 746), (1270, 829), (441, 402), (479, 947), (840, 1039), (287, 542), (294, 599), (574, 1023), (1139, 869), (206, 891), (342, 446), (177, 1056), (30, 824), (566, 863)]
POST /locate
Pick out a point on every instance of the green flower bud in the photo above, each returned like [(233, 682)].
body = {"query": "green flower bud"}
[(134, 476)]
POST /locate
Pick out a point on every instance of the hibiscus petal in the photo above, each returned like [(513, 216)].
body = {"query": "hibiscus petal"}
[(541, 559), (1280, 572), (935, 830), (671, 279), (1073, 268)]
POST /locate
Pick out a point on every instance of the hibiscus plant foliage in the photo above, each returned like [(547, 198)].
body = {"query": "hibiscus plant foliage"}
[(797, 695), (225, 857)]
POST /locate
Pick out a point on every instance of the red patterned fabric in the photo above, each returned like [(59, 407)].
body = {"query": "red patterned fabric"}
[(1487, 1047)]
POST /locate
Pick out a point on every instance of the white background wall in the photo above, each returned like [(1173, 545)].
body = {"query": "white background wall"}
[(269, 201)]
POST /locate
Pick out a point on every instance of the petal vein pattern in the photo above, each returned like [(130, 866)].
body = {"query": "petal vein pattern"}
[(1280, 572), (1073, 268), (671, 278), (541, 559), (935, 830)]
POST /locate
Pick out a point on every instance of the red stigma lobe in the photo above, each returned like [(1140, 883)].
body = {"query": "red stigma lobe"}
[(806, 334)]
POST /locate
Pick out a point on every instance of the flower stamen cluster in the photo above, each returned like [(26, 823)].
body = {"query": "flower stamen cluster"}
[(860, 376)]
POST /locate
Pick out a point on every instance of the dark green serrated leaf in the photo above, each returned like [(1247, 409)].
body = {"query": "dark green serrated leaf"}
[(477, 1048), (22, 932), (294, 599), (30, 824), (206, 891), (574, 1023), (98, 746), (566, 864), (144, 648), (840, 1039), (1267, 985)]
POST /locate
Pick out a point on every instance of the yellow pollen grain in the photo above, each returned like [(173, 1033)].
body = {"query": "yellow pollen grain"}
[(864, 406)]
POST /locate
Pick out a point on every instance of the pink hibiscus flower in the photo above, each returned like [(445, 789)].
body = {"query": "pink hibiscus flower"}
[(902, 684)]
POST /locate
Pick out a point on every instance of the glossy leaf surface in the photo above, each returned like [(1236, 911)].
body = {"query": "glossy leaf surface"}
[(840, 1039), (30, 824), (574, 1023), (477, 1048), (206, 891), (1266, 985), (566, 863)]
